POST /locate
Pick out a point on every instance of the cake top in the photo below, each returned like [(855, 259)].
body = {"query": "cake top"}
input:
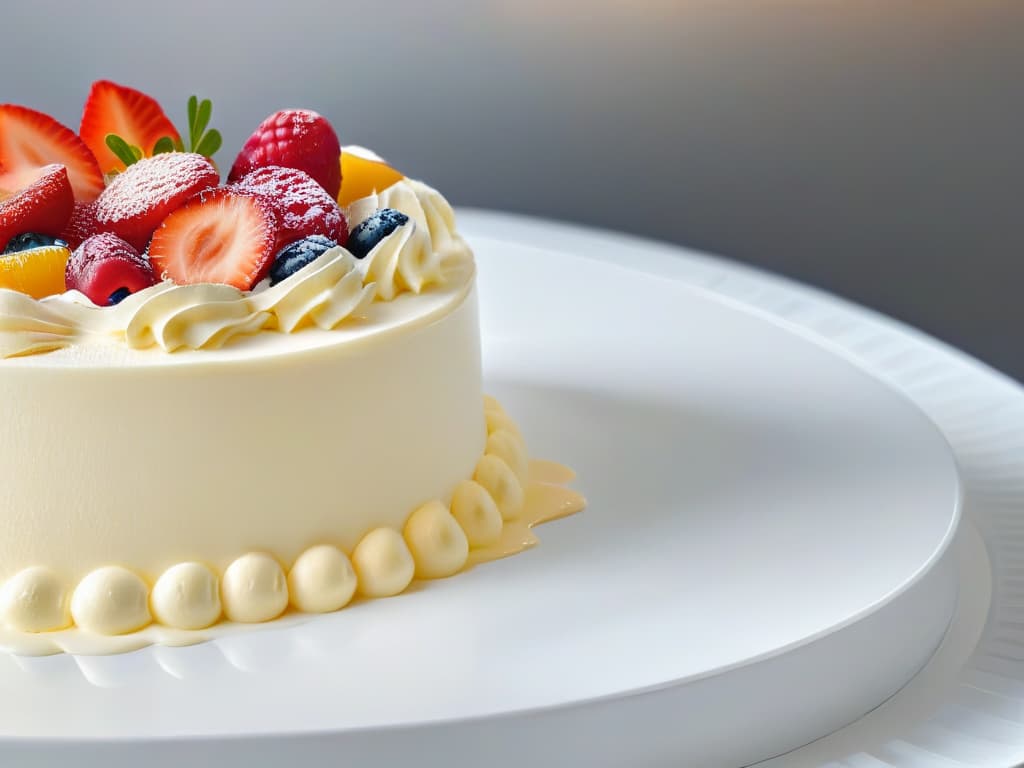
[(122, 234)]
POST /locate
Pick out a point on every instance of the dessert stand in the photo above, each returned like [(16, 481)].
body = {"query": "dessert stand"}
[(779, 551)]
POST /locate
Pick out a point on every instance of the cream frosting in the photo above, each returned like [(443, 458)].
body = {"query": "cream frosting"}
[(321, 580), (476, 513), (35, 600), (383, 564), (438, 545), (254, 589), (186, 596), (324, 293), (502, 484), (111, 601)]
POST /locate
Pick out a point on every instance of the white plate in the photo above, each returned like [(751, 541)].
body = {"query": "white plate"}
[(753, 495)]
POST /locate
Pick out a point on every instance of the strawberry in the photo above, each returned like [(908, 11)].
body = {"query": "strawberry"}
[(30, 140), (220, 236), (294, 138), (81, 225), (107, 270), (303, 207), (43, 206), (126, 112), (137, 200)]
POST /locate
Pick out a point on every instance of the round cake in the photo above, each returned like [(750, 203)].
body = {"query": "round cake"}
[(238, 400)]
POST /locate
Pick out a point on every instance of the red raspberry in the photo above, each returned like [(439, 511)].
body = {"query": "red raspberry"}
[(294, 138)]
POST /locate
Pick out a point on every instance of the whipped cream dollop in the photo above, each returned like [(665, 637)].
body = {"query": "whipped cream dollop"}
[(322, 294), (411, 257)]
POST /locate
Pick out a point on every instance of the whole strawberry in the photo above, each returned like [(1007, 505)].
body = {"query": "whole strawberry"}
[(294, 138)]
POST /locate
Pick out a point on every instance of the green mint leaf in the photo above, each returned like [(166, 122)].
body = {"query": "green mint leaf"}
[(120, 148), (210, 143), (202, 120), (178, 146), (193, 110), (163, 144), (136, 151)]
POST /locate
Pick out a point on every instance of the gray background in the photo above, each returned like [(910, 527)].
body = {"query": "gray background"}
[(872, 148)]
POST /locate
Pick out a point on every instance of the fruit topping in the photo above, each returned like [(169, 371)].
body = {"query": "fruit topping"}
[(374, 229), (134, 117), (295, 256), (221, 236), (39, 272), (303, 207), (81, 225), (361, 177), (293, 138), (141, 197), (30, 140), (107, 269), (29, 240), (42, 206)]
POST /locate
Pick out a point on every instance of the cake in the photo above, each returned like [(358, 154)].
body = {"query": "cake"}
[(225, 403)]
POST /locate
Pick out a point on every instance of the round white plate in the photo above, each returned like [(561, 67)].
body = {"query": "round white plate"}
[(753, 495)]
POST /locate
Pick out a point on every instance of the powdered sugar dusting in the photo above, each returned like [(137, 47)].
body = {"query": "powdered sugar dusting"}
[(154, 182), (304, 208)]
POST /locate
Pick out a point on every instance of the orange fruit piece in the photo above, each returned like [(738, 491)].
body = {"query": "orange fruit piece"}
[(38, 272), (361, 177)]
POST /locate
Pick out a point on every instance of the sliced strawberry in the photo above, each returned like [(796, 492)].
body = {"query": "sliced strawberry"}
[(43, 206), (131, 114), (304, 208), (220, 236), (107, 270), (29, 140), (294, 138), (81, 226), (136, 201)]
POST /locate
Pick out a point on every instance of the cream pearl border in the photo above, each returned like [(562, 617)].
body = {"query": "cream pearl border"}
[(434, 543)]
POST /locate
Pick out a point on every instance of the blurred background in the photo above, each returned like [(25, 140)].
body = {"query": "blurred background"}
[(874, 148)]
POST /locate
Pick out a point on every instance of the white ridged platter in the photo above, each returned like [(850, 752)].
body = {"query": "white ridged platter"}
[(776, 543)]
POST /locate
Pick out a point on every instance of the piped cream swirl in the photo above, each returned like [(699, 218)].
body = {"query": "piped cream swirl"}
[(413, 256)]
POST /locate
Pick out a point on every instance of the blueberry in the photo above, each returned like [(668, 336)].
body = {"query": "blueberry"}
[(295, 256), (370, 232), (118, 296), (30, 240)]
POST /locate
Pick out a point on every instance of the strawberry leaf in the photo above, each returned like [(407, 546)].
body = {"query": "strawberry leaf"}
[(210, 143), (202, 120), (193, 109), (163, 144), (122, 149)]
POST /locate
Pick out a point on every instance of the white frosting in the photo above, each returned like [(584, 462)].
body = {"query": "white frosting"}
[(476, 513), (383, 563), (502, 484), (437, 543), (321, 580), (111, 601), (254, 589), (186, 596), (35, 600)]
